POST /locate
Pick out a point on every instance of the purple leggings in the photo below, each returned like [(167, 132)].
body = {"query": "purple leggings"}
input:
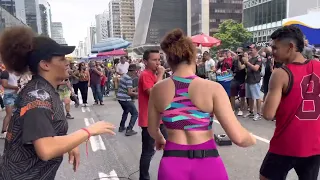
[(177, 168)]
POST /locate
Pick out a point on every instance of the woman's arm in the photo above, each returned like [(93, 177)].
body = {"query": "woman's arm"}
[(238, 134)]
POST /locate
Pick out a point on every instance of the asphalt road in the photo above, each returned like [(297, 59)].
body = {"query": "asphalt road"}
[(113, 157)]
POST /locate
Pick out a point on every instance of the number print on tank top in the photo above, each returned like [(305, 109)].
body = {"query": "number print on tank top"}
[(310, 106)]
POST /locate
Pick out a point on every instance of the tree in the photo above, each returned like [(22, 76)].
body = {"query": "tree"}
[(232, 34)]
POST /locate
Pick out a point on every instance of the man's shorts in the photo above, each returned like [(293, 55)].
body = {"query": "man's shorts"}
[(253, 91), (9, 99), (276, 167), (65, 96), (237, 89)]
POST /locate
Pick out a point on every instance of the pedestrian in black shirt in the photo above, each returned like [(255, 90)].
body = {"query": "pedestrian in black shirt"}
[(37, 134)]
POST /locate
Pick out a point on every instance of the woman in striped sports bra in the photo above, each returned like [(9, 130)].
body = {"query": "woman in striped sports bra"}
[(187, 109)]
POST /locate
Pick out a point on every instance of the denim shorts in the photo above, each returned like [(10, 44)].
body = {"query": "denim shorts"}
[(253, 91), (9, 99)]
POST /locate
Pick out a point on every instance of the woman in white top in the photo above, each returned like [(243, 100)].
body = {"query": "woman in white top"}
[(9, 81)]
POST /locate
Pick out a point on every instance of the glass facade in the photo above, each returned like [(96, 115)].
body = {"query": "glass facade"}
[(165, 16), (263, 13), (222, 10), (196, 17)]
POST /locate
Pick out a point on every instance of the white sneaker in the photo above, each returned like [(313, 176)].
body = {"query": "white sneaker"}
[(257, 117), (3, 135), (240, 113)]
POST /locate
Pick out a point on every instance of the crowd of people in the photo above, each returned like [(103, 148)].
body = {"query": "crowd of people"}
[(198, 88)]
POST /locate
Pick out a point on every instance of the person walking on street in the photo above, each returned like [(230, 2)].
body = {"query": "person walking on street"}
[(84, 81), (95, 83), (152, 74), (125, 95)]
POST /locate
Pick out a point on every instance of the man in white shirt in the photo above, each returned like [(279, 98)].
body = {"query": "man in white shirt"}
[(210, 64), (122, 67)]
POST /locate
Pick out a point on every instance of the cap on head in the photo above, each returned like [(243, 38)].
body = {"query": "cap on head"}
[(45, 48), (132, 67)]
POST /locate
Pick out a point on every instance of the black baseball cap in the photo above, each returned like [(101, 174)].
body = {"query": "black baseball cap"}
[(45, 48), (132, 67)]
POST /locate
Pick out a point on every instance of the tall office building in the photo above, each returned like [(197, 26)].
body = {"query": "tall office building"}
[(102, 26), (127, 20), (33, 17), (157, 18), (8, 20), (137, 8), (114, 16), (57, 32), (264, 16), (45, 14), (207, 15), (16, 8), (91, 39)]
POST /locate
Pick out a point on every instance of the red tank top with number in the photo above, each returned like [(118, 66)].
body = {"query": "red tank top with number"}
[(297, 130)]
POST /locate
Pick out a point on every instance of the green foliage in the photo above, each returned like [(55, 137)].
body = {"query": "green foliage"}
[(232, 35)]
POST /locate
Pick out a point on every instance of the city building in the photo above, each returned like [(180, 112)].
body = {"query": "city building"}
[(33, 17), (8, 20), (206, 15), (81, 49), (264, 16), (127, 20), (137, 8), (57, 32), (45, 14), (102, 26), (114, 16), (159, 17), (91, 39), (16, 8)]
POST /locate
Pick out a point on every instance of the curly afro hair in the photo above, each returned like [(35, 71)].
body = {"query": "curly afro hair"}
[(178, 48), (15, 45)]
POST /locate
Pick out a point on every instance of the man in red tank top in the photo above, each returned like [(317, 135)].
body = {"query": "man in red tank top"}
[(294, 99)]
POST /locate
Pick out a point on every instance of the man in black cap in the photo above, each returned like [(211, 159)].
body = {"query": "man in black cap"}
[(125, 95)]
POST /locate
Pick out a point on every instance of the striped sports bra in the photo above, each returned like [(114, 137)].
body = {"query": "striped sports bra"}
[(182, 113)]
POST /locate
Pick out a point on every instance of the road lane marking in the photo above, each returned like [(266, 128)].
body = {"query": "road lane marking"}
[(88, 109), (83, 109), (257, 137), (110, 176), (95, 141)]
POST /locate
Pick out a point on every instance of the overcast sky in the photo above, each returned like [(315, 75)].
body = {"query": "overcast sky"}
[(76, 16)]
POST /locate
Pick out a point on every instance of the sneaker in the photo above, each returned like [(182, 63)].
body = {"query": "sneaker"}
[(68, 116), (130, 132), (107, 95), (121, 129), (3, 135), (257, 117), (240, 113), (249, 114), (101, 104)]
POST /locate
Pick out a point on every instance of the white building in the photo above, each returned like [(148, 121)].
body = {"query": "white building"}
[(137, 8), (91, 39), (127, 19), (114, 16), (102, 26), (57, 33)]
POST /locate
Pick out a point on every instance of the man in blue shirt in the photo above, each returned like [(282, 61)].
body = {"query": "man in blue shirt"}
[(125, 95)]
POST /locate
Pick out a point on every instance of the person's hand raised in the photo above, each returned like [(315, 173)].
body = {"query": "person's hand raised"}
[(101, 127)]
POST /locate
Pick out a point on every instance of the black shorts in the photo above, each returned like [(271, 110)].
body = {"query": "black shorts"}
[(276, 167), (237, 89)]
